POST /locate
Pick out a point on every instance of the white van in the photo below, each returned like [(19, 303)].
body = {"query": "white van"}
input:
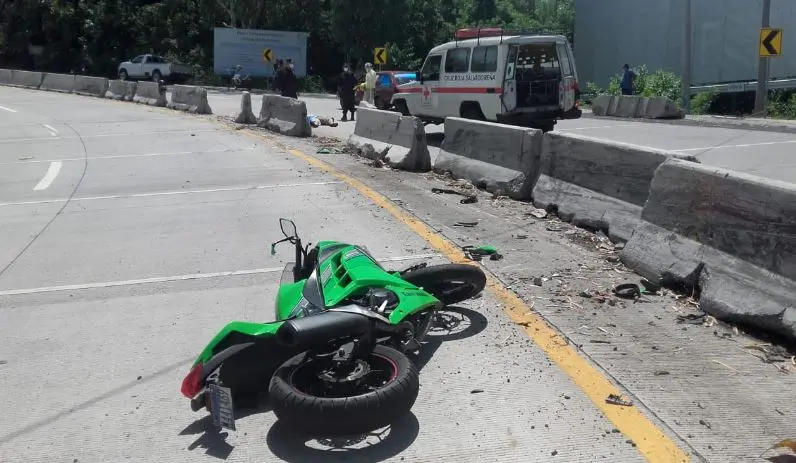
[(489, 74)]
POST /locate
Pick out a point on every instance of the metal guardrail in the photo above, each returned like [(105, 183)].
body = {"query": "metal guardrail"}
[(779, 84)]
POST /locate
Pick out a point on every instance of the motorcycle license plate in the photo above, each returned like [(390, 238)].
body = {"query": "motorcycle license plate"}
[(221, 408)]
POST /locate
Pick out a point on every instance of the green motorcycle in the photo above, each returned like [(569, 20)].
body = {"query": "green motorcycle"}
[(334, 361)]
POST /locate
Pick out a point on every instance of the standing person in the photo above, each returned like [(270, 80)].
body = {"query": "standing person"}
[(287, 81), (370, 82), (277, 68), (345, 89), (628, 79)]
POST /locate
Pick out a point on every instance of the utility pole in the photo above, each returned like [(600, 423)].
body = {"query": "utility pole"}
[(687, 59), (761, 98)]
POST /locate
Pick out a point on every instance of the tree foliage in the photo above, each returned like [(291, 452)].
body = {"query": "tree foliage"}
[(93, 36)]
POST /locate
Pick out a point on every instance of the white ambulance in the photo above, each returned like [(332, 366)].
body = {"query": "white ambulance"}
[(495, 75)]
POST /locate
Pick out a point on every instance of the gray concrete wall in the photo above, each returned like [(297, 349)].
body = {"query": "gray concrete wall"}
[(609, 33)]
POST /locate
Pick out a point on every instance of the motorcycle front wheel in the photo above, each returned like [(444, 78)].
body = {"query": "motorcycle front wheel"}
[(375, 392), (450, 283)]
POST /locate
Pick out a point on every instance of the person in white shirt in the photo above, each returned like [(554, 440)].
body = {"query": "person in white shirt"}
[(370, 83)]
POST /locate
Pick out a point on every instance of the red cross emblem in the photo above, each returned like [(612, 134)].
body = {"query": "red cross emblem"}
[(426, 93)]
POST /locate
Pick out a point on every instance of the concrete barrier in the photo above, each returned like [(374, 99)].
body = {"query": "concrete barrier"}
[(499, 158), (91, 86), (399, 141), (123, 90), (633, 106), (6, 76), (26, 79), (150, 93), (190, 99), (733, 235), (245, 115), (597, 184), (284, 115), (63, 83)]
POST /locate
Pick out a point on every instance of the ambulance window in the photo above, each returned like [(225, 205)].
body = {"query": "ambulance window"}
[(457, 60), (484, 59), (431, 68)]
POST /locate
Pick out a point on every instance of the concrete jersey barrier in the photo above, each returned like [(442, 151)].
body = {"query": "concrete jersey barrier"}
[(732, 234), (597, 184), (245, 115), (26, 79), (123, 90), (399, 141), (634, 106), (499, 158), (91, 86), (190, 99), (6, 76), (284, 115), (63, 83), (149, 93)]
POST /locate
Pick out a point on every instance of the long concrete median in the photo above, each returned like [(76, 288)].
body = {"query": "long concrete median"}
[(597, 184), (730, 234), (150, 93), (284, 115), (499, 158), (91, 86), (123, 90), (190, 99), (63, 83), (399, 141)]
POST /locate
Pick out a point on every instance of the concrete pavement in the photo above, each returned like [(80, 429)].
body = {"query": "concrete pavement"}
[(766, 154), (152, 232)]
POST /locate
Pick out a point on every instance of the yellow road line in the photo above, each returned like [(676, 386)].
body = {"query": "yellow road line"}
[(651, 441)]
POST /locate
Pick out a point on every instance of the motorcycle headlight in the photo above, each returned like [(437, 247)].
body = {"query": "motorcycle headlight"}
[(378, 296)]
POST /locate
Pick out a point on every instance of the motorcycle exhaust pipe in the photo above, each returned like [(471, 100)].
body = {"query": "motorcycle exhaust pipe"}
[(307, 332)]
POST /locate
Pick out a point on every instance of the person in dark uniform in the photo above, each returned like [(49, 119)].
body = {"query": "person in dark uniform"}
[(345, 90), (287, 81)]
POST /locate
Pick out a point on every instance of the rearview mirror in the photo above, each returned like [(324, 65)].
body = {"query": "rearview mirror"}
[(288, 228)]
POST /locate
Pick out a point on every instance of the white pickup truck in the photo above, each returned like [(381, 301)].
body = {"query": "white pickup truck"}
[(154, 67)]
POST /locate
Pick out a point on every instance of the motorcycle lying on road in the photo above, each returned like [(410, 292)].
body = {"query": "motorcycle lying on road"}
[(334, 362)]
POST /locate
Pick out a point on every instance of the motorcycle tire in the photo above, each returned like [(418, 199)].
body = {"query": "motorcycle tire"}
[(349, 415), (450, 283)]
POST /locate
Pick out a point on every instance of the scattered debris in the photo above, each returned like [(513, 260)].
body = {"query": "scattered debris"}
[(3, 362), (771, 353), (537, 281), (465, 224), (726, 366), (692, 318), (627, 291), (26, 158), (468, 198), (477, 253), (476, 391), (662, 373), (649, 286), (789, 444), (705, 424), (538, 213), (521, 237), (614, 399), (377, 163)]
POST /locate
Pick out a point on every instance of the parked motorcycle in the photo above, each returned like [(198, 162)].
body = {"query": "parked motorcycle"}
[(334, 361)]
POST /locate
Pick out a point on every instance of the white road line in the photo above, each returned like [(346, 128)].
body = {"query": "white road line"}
[(142, 155), (52, 130), (8, 109), (104, 135), (48, 178), (748, 145), (597, 127), (193, 276), (171, 193)]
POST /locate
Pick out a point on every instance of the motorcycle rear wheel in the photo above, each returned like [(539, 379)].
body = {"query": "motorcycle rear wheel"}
[(450, 283), (304, 401)]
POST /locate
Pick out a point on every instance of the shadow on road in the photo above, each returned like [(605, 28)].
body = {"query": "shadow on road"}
[(451, 324), (379, 445), (435, 139)]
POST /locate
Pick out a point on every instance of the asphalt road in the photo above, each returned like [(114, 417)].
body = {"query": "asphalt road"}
[(766, 154), (132, 234), (118, 222)]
